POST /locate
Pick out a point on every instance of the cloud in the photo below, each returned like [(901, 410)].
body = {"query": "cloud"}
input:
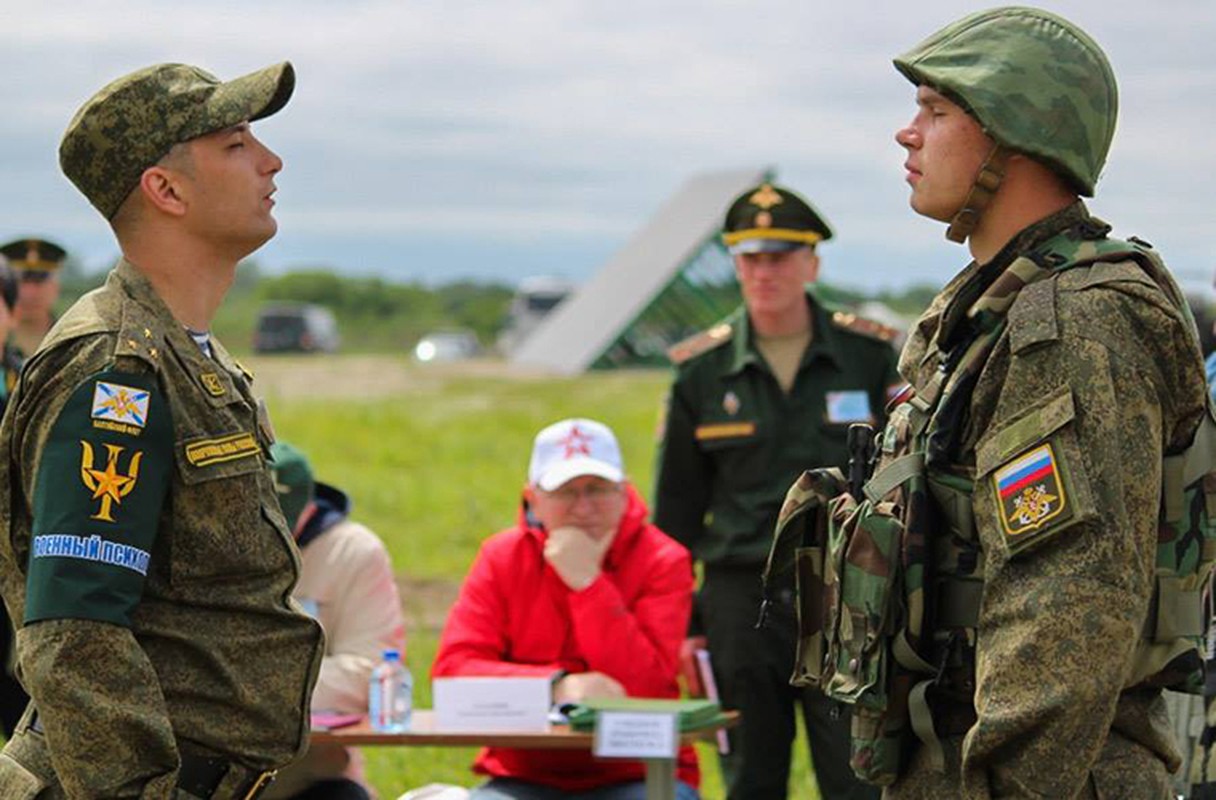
[(574, 119)]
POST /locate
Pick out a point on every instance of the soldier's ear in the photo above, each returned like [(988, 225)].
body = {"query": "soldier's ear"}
[(810, 271), (161, 188)]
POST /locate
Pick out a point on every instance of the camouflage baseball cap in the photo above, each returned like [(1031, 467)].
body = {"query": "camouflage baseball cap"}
[(134, 121), (771, 219), (293, 480), (1037, 84)]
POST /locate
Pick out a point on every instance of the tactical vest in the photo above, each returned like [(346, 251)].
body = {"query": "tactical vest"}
[(890, 578)]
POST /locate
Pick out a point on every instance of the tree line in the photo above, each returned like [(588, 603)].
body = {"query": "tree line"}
[(375, 313)]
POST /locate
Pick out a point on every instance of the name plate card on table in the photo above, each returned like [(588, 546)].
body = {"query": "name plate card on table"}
[(634, 734), (491, 704)]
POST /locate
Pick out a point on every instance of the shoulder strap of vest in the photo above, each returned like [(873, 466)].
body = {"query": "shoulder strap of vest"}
[(1064, 252)]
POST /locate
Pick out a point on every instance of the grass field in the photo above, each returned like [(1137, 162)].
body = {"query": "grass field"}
[(434, 458)]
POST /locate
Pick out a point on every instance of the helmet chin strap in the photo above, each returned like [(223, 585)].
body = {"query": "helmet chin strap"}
[(991, 173)]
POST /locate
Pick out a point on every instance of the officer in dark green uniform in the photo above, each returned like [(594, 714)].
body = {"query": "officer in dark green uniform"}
[(145, 557), (37, 263), (757, 399)]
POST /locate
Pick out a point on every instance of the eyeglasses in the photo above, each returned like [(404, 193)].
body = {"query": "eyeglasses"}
[(596, 493)]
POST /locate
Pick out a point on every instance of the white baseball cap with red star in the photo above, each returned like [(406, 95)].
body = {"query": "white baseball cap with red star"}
[(572, 448)]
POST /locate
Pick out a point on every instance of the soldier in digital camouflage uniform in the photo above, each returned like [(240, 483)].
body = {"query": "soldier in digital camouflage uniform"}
[(146, 557), (1054, 396), (755, 400)]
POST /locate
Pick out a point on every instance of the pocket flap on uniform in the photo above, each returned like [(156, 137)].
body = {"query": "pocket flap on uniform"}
[(1043, 419)]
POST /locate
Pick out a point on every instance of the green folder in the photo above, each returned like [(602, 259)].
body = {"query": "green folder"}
[(692, 714)]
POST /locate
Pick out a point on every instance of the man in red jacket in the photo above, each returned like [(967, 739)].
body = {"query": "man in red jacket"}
[(582, 589)]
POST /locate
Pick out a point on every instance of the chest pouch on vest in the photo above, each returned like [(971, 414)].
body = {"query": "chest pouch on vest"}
[(1170, 652), (886, 548), (868, 575), (864, 585), (800, 543), (852, 557)]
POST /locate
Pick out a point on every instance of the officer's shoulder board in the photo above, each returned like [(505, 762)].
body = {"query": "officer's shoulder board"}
[(866, 327), (140, 339), (137, 334), (700, 343)]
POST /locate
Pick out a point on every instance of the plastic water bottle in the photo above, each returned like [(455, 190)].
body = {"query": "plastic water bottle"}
[(390, 695)]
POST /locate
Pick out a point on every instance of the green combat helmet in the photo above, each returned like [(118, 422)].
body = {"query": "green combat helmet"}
[(1035, 82)]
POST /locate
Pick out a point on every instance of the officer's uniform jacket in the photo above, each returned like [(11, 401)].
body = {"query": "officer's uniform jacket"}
[(733, 441), (1097, 373), (147, 561)]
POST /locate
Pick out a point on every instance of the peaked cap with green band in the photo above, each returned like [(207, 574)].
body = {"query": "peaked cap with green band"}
[(134, 121), (771, 219), (1037, 84)]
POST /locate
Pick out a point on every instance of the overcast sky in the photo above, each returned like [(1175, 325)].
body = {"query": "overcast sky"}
[(438, 139)]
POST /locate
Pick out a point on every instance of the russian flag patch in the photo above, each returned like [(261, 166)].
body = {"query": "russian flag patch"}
[(1030, 491)]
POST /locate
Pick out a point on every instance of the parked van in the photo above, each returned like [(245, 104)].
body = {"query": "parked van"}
[(295, 328)]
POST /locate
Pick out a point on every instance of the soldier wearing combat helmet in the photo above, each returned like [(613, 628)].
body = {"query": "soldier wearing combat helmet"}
[(145, 559), (756, 399), (1056, 383)]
